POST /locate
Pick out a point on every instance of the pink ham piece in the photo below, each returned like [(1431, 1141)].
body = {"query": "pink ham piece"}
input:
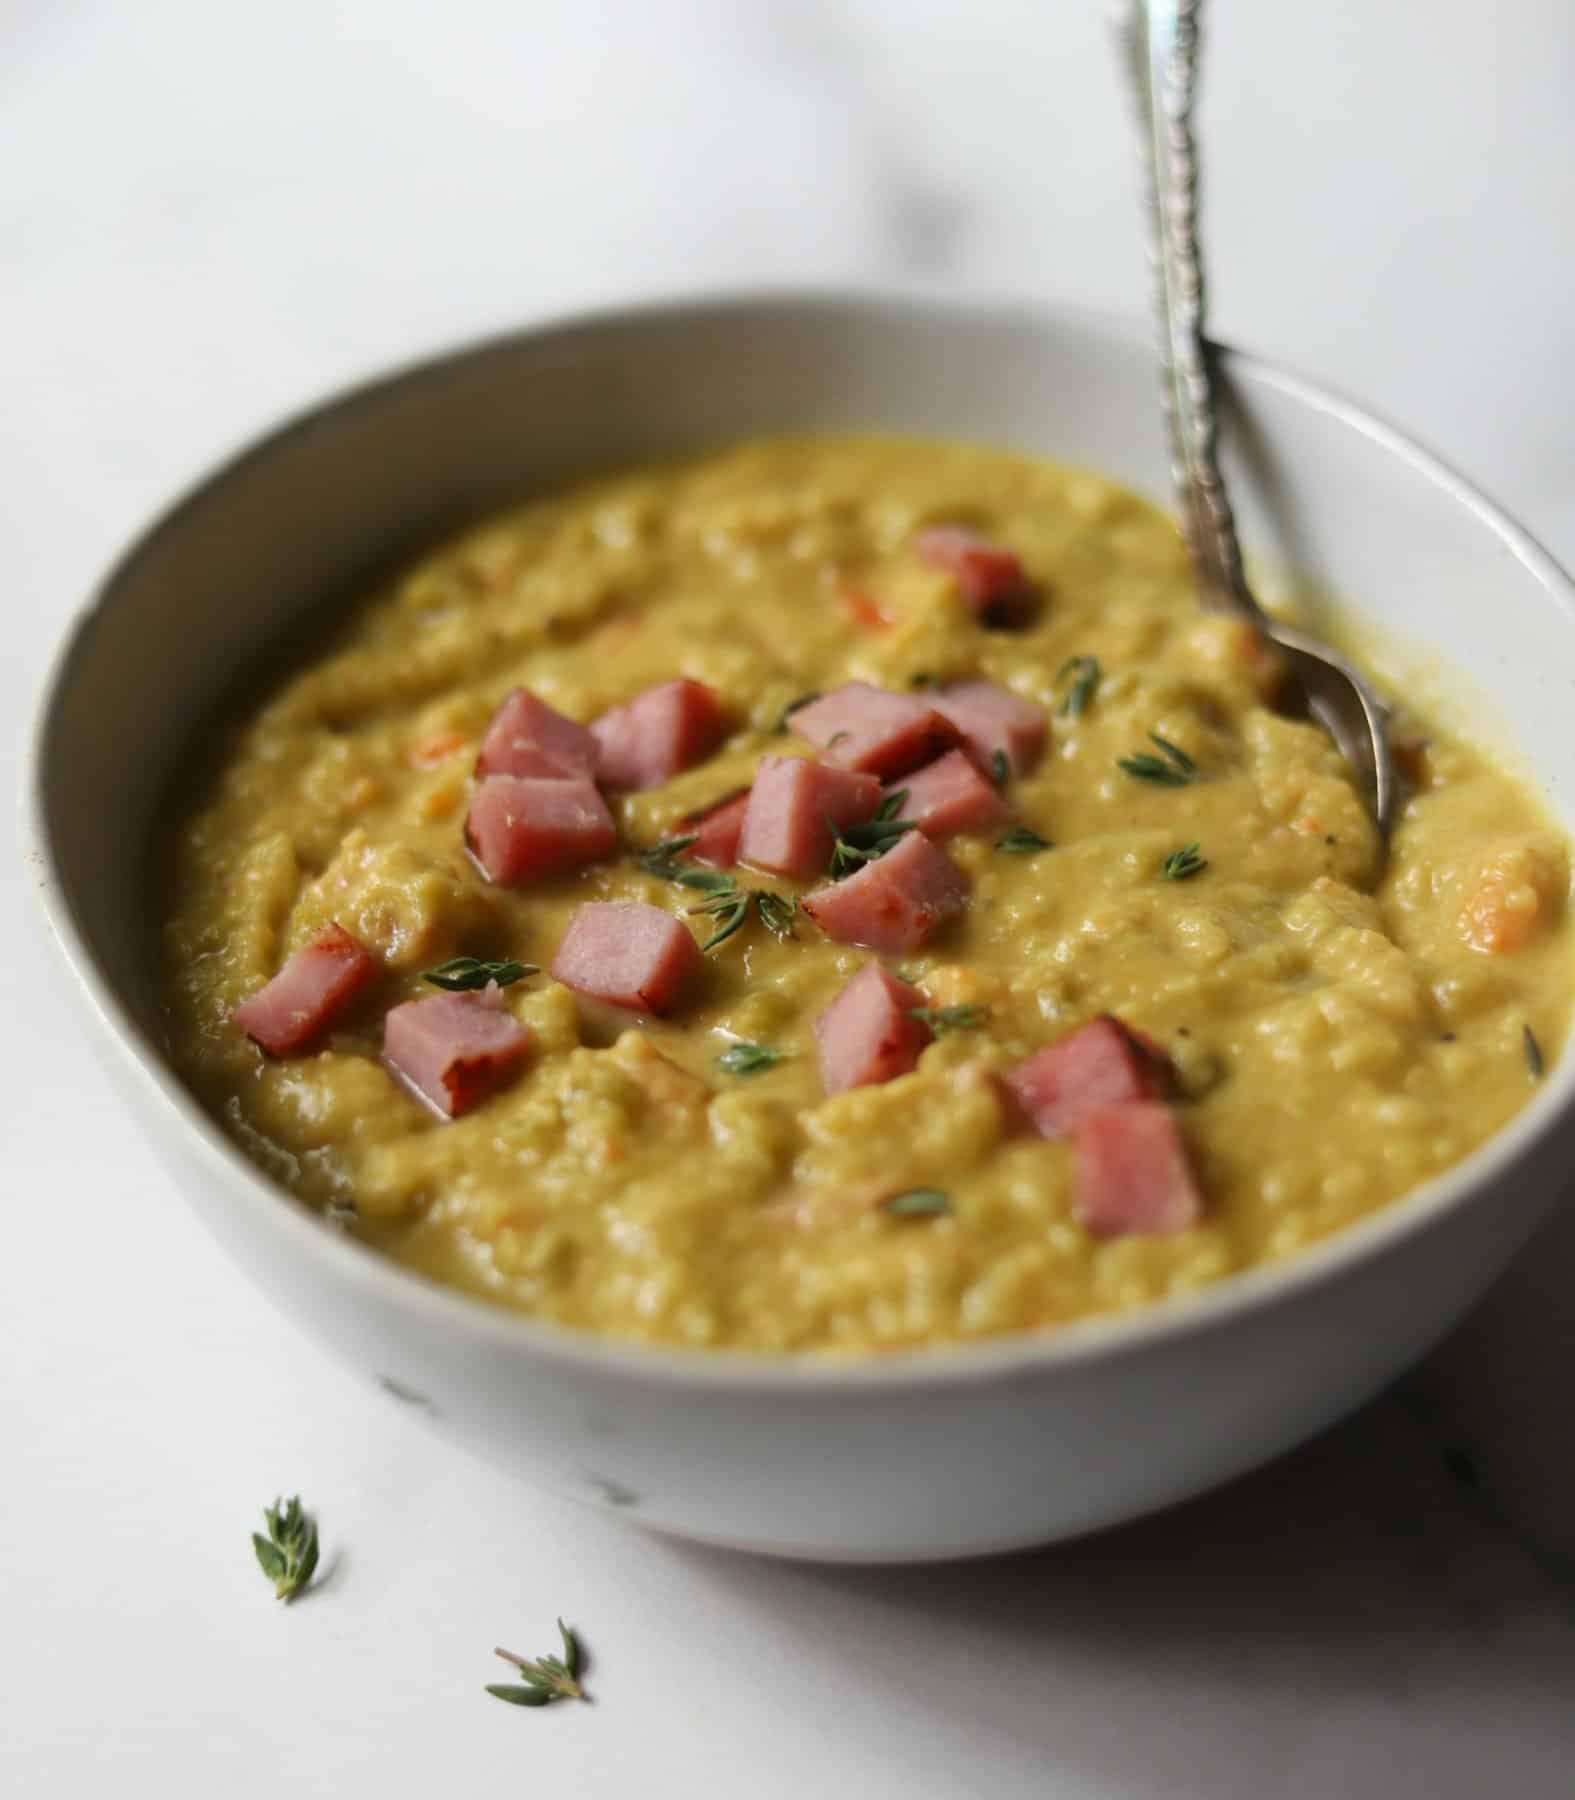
[(894, 904), (868, 1033), (652, 737), (991, 719), (857, 726), (528, 737), (792, 809), (1103, 1063), (717, 831), (988, 575), (950, 796), (1133, 1176), (309, 993), (453, 1050), (628, 953), (521, 827)]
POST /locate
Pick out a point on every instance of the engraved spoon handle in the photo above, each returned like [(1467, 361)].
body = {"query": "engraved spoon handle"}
[(1161, 38)]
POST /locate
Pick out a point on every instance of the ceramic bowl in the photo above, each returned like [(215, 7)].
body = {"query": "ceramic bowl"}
[(969, 1449)]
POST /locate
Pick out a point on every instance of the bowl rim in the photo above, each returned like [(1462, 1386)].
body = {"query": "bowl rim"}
[(164, 1103)]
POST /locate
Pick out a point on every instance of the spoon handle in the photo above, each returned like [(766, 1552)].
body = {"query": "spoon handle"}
[(1161, 38)]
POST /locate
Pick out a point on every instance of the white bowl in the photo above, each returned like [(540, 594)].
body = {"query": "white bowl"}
[(968, 1449)]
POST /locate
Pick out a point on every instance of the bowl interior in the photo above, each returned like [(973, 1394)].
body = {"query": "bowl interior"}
[(294, 524)]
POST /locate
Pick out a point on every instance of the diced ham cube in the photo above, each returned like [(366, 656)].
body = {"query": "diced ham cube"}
[(894, 904), (794, 807), (991, 719), (628, 953), (950, 796), (528, 737), (309, 993), (717, 831), (869, 1033), (652, 737), (1103, 1063), (1132, 1172), (988, 575), (870, 729), (522, 826), (453, 1050)]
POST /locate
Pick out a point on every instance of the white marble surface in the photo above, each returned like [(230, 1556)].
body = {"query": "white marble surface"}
[(211, 214)]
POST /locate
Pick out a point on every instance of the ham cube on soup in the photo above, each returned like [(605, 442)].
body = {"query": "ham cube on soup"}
[(717, 832), (453, 1050), (868, 1033), (657, 734), (1132, 1173), (794, 808), (309, 994), (522, 827), (528, 737), (627, 953), (896, 903), (991, 720), (872, 730), (1103, 1063), (989, 576), (951, 796)]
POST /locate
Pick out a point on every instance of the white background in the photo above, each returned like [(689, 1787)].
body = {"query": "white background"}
[(211, 213)]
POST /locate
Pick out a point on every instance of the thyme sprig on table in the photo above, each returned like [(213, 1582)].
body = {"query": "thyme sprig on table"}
[(748, 1059), (288, 1555), (1085, 675), (546, 1678), (942, 1019), (855, 845), (1183, 864), (1171, 768), (461, 973)]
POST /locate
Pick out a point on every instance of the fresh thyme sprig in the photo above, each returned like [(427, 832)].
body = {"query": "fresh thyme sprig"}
[(950, 1018), (776, 913), (288, 1555), (1020, 841), (1533, 1050), (1084, 672), (547, 1678), (855, 845), (662, 860), (730, 908), (460, 973), (918, 1203), (1183, 864), (748, 1059), (1172, 768)]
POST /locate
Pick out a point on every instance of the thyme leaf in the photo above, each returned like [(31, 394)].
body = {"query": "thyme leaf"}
[(855, 845), (547, 1678), (288, 1555), (918, 1203), (1533, 1050), (1020, 841), (1172, 768), (1183, 864), (748, 1059), (1000, 768), (776, 913), (729, 910), (662, 861), (461, 973), (1085, 673), (793, 706), (949, 1018)]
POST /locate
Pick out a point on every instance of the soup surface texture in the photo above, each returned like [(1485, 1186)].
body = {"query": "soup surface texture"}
[(1179, 855)]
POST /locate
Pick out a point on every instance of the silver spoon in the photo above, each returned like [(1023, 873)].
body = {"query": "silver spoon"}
[(1161, 38)]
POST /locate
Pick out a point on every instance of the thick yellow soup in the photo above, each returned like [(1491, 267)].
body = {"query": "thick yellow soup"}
[(1140, 1001)]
